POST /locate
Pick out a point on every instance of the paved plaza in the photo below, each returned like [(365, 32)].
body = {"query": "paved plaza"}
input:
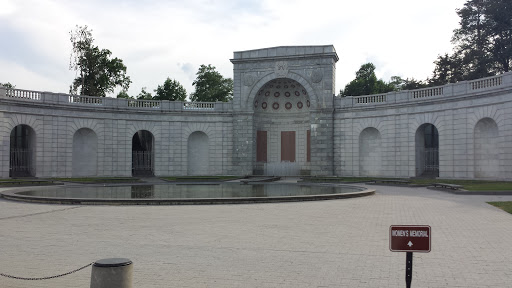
[(335, 243)]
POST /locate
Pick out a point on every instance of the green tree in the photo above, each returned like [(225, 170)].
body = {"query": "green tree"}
[(483, 43), (97, 73), (124, 95), (398, 83), (472, 45), (8, 85), (448, 69), (211, 86), (171, 90), (144, 95), (366, 83)]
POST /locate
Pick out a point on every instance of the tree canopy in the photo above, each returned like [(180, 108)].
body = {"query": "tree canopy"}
[(483, 43), (97, 72), (211, 86), (8, 85), (366, 83), (124, 95), (171, 90), (144, 95)]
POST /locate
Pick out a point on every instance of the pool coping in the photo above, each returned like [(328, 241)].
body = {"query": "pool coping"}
[(11, 194)]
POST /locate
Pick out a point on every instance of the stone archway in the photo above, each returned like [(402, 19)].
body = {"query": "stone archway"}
[(85, 151), (487, 161), (282, 128), (370, 152), (22, 152), (198, 157), (142, 153), (427, 151)]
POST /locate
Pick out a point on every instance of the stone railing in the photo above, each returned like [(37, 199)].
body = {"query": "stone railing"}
[(198, 106), (503, 81), (486, 82), (110, 103), (88, 100), (429, 92), (23, 94), (144, 104), (370, 99)]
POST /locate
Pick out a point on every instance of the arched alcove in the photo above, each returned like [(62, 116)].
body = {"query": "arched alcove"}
[(427, 151), (487, 153), (142, 153), (22, 152), (85, 151), (370, 152), (282, 128), (198, 154)]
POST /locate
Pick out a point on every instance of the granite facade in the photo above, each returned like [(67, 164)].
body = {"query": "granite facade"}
[(375, 135)]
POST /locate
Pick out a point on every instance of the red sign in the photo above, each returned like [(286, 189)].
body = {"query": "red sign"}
[(409, 238)]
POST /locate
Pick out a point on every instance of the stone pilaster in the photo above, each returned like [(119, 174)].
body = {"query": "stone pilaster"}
[(322, 142), (243, 144)]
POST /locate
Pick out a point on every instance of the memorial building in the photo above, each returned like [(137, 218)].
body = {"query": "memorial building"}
[(284, 119)]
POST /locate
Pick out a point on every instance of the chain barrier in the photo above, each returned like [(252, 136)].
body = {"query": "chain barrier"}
[(46, 278)]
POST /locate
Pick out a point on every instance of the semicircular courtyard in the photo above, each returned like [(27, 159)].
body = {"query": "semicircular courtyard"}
[(337, 243), (285, 119)]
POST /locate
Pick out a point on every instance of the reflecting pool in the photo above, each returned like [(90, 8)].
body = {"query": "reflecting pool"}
[(199, 193), (176, 191)]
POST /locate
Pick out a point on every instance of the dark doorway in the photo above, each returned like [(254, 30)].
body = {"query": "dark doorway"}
[(427, 151), (142, 154), (21, 156), (288, 146)]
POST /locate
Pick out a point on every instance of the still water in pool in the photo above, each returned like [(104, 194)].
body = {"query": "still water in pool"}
[(189, 191)]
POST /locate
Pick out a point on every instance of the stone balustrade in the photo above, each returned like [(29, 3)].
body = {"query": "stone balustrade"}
[(198, 106), (153, 104), (110, 103), (486, 82), (23, 94), (88, 100), (450, 90), (370, 99), (429, 92), (462, 88)]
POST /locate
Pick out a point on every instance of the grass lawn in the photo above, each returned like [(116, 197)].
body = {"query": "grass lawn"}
[(337, 179), (504, 205), (201, 178), (470, 185), (24, 182), (99, 179)]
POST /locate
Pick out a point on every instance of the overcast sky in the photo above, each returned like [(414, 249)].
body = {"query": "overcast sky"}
[(157, 39)]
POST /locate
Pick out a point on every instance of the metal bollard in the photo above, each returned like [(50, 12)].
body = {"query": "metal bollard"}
[(112, 273)]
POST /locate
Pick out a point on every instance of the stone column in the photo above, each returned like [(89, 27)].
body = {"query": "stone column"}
[(322, 142), (243, 143)]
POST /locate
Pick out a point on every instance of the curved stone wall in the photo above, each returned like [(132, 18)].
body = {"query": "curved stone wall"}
[(376, 135), (473, 120)]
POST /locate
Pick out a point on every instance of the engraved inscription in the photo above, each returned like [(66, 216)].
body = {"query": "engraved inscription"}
[(281, 69)]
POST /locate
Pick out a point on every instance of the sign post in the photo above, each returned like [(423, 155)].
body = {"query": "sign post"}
[(409, 238)]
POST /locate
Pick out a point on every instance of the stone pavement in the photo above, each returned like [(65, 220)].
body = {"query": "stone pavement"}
[(335, 243)]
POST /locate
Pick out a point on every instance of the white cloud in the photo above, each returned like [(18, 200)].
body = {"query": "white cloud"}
[(160, 39)]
